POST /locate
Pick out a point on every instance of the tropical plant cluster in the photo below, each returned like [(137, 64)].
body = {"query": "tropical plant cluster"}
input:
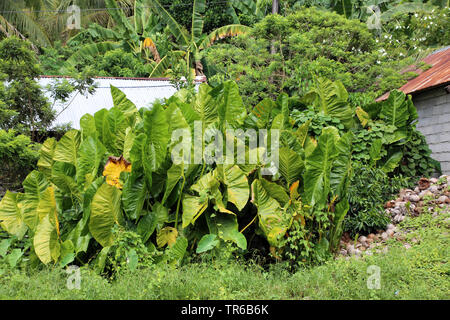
[(112, 195)]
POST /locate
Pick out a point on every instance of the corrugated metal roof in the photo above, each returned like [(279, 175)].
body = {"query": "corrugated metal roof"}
[(437, 75), (141, 91)]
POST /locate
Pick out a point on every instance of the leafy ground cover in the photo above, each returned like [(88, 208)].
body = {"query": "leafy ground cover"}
[(420, 272)]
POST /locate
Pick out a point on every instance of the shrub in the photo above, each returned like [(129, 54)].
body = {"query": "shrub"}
[(18, 156), (370, 188), (309, 43)]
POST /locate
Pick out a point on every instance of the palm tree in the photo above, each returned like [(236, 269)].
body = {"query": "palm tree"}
[(192, 43), (45, 21), (136, 34), (16, 20)]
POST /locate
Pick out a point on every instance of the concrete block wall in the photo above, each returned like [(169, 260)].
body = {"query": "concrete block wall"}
[(433, 107)]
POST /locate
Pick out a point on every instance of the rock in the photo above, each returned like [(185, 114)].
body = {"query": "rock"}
[(343, 252), (362, 239), (442, 199), (384, 236), (414, 198), (433, 180), (390, 226), (434, 189), (390, 232), (371, 236), (369, 241), (426, 193), (416, 190), (389, 204), (424, 183)]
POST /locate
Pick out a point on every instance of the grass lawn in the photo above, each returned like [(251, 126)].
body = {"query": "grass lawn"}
[(420, 272)]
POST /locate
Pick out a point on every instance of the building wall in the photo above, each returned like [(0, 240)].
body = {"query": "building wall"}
[(433, 107)]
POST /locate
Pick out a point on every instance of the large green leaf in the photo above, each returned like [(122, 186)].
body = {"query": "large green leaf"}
[(34, 185), (147, 226), (63, 176), (90, 155), (174, 27), (275, 191), (133, 196), (121, 21), (80, 235), (93, 50), (331, 98), (11, 218), (340, 212), (341, 171), (226, 227), (291, 165), (47, 207), (395, 110), (105, 213), (118, 125), (231, 109), (206, 243), (47, 237), (205, 105), (237, 184), (46, 241), (392, 162), (318, 168), (87, 125), (174, 174), (343, 7), (46, 153), (198, 10), (102, 126), (122, 103), (193, 207), (273, 219), (156, 128), (67, 147)]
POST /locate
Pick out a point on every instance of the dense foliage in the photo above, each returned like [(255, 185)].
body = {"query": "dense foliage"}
[(71, 199), (122, 176), (122, 192)]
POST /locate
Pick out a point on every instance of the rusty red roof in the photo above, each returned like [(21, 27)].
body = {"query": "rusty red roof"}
[(437, 75)]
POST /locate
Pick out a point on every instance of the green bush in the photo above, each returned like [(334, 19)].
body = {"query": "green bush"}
[(18, 155), (309, 43), (370, 188)]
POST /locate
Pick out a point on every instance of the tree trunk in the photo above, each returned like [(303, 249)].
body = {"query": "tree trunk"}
[(275, 6)]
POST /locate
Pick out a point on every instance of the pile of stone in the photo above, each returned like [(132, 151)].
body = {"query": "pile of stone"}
[(429, 194)]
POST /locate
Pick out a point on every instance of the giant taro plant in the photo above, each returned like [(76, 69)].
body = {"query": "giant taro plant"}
[(117, 172)]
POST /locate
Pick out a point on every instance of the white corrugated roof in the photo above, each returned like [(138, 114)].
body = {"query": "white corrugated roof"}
[(142, 92)]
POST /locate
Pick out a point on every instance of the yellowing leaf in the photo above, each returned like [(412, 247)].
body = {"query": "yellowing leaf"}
[(113, 168), (363, 116), (167, 235)]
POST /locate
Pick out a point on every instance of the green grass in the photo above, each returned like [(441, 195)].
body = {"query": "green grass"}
[(421, 272)]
